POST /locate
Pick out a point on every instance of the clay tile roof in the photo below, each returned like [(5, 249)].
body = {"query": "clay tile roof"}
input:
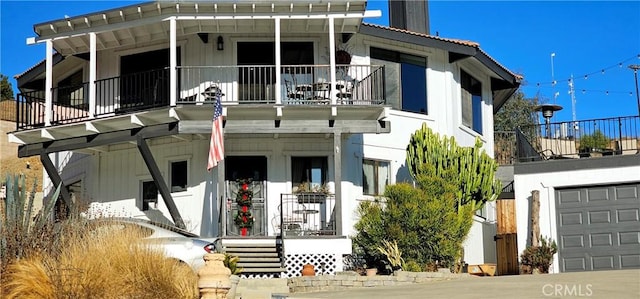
[(451, 40)]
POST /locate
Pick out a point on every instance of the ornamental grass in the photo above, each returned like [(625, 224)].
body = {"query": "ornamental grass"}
[(99, 264)]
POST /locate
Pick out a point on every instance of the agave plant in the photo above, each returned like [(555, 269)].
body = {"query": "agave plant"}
[(20, 233), (393, 253)]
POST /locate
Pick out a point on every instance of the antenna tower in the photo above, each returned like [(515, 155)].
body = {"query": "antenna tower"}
[(573, 103)]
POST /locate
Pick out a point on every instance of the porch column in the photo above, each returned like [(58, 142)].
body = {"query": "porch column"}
[(48, 83), (173, 61), (332, 59), (92, 74), (337, 166), (221, 202), (278, 63)]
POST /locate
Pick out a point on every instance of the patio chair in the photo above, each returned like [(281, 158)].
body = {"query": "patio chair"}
[(293, 217), (293, 95)]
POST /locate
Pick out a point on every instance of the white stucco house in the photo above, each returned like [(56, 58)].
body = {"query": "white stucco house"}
[(120, 113)]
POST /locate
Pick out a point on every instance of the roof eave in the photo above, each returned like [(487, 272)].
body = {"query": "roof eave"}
[(507, 84)]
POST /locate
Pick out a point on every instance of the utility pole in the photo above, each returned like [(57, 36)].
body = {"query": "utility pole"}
[(635, 68)]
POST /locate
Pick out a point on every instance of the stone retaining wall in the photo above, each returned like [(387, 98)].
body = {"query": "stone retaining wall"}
[(346, 280)]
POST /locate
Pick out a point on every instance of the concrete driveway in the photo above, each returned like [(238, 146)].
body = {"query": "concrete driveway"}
[(599, 284)]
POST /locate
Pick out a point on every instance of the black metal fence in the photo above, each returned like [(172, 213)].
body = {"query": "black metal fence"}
[(307, 214), (504, 147), (580, 139), (301, 84)]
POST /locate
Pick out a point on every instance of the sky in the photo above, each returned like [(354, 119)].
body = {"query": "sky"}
[(544, 41)]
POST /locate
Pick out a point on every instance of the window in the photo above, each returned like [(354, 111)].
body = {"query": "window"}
[(471, 101), (375, 176), (71, 90), (309, 169), (148, 194), (482, 212), (405, 79), (245, 167), (178, 171)]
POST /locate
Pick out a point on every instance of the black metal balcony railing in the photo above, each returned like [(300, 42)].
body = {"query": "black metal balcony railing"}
[(306, 214), (579, 139), (300, 84), (504, 144), (132, 92)]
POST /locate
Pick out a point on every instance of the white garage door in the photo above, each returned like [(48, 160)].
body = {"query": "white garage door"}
[(598, 227)]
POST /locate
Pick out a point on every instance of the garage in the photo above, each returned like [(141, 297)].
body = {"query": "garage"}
[(598, 227)]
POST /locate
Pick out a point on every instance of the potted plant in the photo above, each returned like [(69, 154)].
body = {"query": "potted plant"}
[(231, 262), (596, 142), (311, 193), (343, 57), (538, 259)]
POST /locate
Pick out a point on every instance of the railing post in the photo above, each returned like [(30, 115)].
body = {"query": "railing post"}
[(332, 59), (173, 62), (92, 74), (278, 63), (619, 149), (48, 84), (281, 217)]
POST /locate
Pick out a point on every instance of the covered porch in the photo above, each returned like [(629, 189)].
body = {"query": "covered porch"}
[(168, 78)]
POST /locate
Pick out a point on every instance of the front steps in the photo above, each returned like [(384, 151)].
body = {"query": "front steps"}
[(256, 257)]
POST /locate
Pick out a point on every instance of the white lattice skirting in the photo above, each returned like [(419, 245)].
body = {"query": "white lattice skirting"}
[(323, 263)]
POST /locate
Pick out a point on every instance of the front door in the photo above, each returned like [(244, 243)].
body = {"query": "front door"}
[(243, 219)]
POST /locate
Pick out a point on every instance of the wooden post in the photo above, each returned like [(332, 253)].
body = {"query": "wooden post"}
[(535, 218)]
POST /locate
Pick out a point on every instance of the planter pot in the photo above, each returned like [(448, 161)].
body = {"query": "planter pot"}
[(343, 57), (372, 272), (235, 279), (311, 197), (308, 270)]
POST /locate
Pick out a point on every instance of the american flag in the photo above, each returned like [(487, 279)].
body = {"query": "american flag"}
[(216, 145)]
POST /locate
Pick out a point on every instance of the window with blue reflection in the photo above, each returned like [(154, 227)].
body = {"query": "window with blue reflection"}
[(471, 101), (405, 79)]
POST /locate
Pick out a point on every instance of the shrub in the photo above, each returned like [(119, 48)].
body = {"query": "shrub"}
[(231, 262), (426, 222), (538, 258), (596, 140)]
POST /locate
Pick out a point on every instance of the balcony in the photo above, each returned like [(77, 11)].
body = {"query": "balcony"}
[(196, 85), (569, 140)]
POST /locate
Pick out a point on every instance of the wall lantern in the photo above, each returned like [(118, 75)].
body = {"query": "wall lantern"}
[(220, 43)]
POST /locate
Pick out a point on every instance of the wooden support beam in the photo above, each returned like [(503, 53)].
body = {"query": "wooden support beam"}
[(152, 166), (53, 174)]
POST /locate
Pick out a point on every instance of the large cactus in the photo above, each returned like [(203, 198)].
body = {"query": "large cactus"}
[(474, 169)]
